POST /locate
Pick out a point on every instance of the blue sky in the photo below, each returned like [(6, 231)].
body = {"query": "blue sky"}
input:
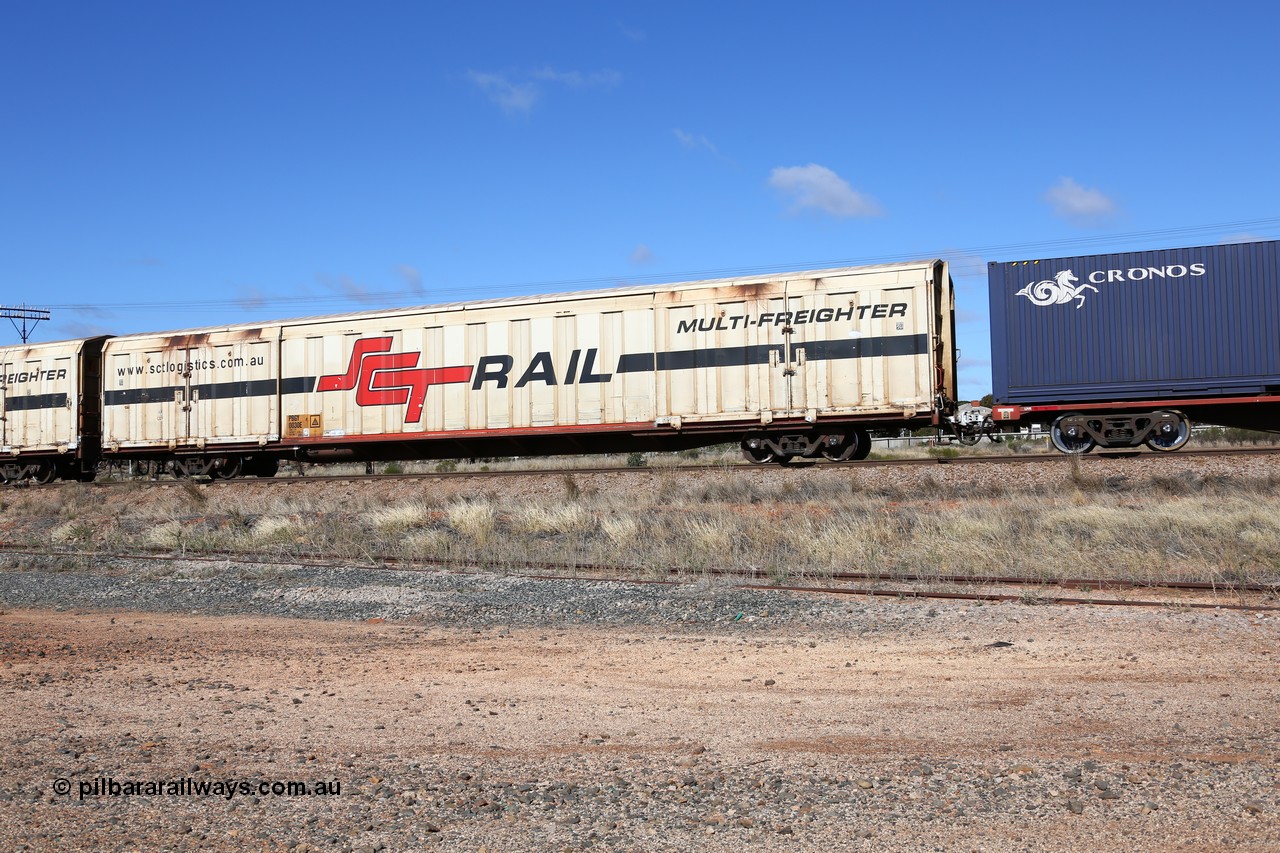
[(167, 165)]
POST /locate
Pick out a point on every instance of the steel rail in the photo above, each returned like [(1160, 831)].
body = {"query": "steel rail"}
[(972, 596), (735, 468), (746, 583), (373, 560)]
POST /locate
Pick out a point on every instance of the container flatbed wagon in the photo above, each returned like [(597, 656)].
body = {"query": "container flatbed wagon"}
[(1125, 349)]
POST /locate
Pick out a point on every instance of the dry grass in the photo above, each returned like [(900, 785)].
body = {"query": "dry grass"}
[(475, 520), (400, 518), (568, 519), (806, 526)]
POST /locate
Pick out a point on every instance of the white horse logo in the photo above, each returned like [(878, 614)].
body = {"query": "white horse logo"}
[(1060, 291)]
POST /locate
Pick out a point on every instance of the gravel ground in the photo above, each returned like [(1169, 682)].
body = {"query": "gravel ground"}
[(484, 712)]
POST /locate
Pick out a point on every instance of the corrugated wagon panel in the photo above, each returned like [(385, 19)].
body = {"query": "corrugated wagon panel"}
[(849, 344), (184, 391), (713, 354), (39, 397), (1198, 321)]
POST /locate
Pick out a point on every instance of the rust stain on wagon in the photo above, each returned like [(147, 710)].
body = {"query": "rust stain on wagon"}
[(185, 341), (753, 290), (199, 339)]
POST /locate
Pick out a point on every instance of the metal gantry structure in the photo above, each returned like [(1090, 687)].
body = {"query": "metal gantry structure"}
[(26, 315)]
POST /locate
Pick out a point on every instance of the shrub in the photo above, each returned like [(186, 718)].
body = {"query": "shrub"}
[(571, 489), (474, 520)]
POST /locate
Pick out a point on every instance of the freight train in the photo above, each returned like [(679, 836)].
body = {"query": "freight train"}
[(1118, 350)]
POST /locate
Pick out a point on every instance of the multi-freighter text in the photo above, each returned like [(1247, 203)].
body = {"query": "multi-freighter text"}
[(724, 323)]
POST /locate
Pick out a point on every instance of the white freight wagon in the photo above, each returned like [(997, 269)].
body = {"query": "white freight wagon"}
[(48, 409), (795, 364), (209, 396)]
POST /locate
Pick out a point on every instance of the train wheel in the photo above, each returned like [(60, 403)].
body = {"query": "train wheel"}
[(854, 446), (1070, 439), (229, 469), (863, 450), (45, 473), (843, 449), (756, 451), (1172, 434)]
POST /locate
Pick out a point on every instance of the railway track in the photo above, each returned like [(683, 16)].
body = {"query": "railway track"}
[(1181, 594), (1141, 457)]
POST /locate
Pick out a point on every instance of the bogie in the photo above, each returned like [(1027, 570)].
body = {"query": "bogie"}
[(844, 446)]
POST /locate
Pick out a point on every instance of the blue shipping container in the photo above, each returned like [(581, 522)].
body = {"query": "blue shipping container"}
[(1196, 322)]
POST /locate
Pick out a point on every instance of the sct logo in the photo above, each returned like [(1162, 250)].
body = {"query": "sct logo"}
[(1058, 291), (383, 378)]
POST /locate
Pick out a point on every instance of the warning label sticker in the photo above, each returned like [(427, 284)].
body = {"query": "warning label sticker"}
[(302, 426)]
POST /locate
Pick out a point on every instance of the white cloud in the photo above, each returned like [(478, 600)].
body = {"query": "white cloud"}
[(577, 80), (641, 255), (250, 299), (1083, 206), (412, 277), (519, 94), (695, 141), (346, 286), (514, 98), (75, 329), (818, 187)]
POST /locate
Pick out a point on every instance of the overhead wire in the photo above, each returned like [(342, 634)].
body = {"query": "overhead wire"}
[(388, 297)]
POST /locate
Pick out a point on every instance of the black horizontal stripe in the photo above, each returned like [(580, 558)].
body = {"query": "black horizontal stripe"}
[(35, 401), (211, 391), (690, 358), (880, 347), (298, 385), (642, 362)]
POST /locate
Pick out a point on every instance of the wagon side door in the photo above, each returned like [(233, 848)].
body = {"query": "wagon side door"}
[(717, 354), (231, 388), (781, 357), (4, 400)]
